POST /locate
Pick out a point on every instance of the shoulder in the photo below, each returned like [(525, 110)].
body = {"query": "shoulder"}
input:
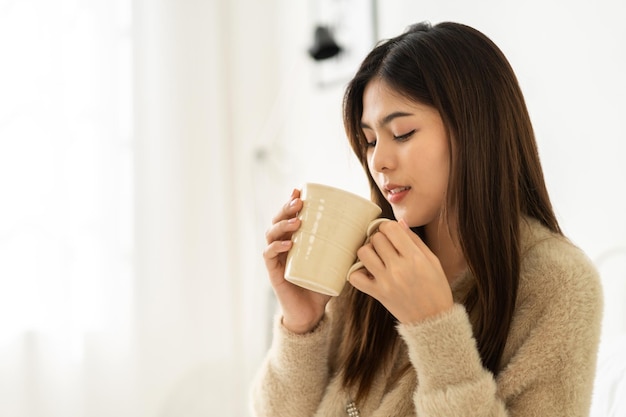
[(553, 266), (559, 288), (549, 357)]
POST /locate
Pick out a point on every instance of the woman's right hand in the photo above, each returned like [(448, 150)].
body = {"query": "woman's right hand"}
[(302, 309)]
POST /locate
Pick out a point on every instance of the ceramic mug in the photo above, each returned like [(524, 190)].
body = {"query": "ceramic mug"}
[(334, 225)]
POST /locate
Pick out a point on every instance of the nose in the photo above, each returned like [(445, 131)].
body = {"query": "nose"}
[(382, 157)]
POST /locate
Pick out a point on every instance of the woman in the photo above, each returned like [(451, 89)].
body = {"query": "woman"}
[(471, 303)]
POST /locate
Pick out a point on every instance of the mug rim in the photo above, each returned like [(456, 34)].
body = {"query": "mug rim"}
[(341, 190)]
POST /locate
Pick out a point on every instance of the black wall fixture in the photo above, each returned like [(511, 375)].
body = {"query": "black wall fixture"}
[(324, 45)]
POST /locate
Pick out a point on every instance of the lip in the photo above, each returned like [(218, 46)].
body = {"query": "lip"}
[(396, 193)]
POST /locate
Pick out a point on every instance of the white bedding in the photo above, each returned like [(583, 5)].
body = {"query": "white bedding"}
[(609, 397)]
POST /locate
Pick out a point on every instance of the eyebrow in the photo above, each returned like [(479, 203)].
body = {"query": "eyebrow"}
[(387, 119)]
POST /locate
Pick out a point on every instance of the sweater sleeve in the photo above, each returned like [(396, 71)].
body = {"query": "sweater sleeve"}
[(549, 363), (293, 377), (451, 378)]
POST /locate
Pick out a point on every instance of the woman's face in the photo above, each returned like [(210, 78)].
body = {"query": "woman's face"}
[(408, 153)]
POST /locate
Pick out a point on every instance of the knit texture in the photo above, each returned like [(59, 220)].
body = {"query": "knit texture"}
[(548, 364)]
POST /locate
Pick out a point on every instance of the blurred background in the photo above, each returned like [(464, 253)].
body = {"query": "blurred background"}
[(146, 144)]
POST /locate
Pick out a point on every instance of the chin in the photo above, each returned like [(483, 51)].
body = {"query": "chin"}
[(413, 220), (410, 220)]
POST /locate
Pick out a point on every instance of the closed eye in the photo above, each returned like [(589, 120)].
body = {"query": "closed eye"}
[(405, 136)]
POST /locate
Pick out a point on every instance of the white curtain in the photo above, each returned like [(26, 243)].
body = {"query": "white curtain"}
[(186, 307), (131, 279), (66, 241)]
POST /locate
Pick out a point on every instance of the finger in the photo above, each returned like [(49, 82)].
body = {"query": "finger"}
[(274, 249), (383, 247), (370, 259), (363, 281), (403, 238), (282, 230), (289, 209)]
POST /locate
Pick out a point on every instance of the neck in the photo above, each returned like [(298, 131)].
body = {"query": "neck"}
[(443, 241)]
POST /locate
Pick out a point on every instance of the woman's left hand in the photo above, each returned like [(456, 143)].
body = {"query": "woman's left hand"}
[(403, 274)]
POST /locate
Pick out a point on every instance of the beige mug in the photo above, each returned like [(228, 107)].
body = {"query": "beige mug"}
[(334, 224)]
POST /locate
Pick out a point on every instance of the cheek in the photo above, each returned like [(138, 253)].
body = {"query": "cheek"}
[(445, 185), (443, 176), (441, 164), (371, 171)]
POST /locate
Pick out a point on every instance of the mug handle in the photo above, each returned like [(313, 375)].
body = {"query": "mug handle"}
[(371, 229)]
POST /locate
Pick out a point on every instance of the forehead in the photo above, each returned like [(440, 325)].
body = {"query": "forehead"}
[(378, 92), (380, 100)]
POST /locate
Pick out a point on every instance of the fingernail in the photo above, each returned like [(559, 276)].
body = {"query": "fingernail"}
[(292, 202), (293, 193), (292, 220)]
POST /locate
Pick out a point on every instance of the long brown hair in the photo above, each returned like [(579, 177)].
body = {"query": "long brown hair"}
[(495, 179)]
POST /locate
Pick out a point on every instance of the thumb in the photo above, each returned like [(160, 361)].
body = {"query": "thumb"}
[(363, 281)]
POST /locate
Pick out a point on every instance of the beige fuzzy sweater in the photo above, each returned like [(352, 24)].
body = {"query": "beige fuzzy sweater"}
[(548, 362)]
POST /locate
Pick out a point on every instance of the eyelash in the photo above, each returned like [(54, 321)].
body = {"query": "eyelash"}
[(400, 138), (404, 137)]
